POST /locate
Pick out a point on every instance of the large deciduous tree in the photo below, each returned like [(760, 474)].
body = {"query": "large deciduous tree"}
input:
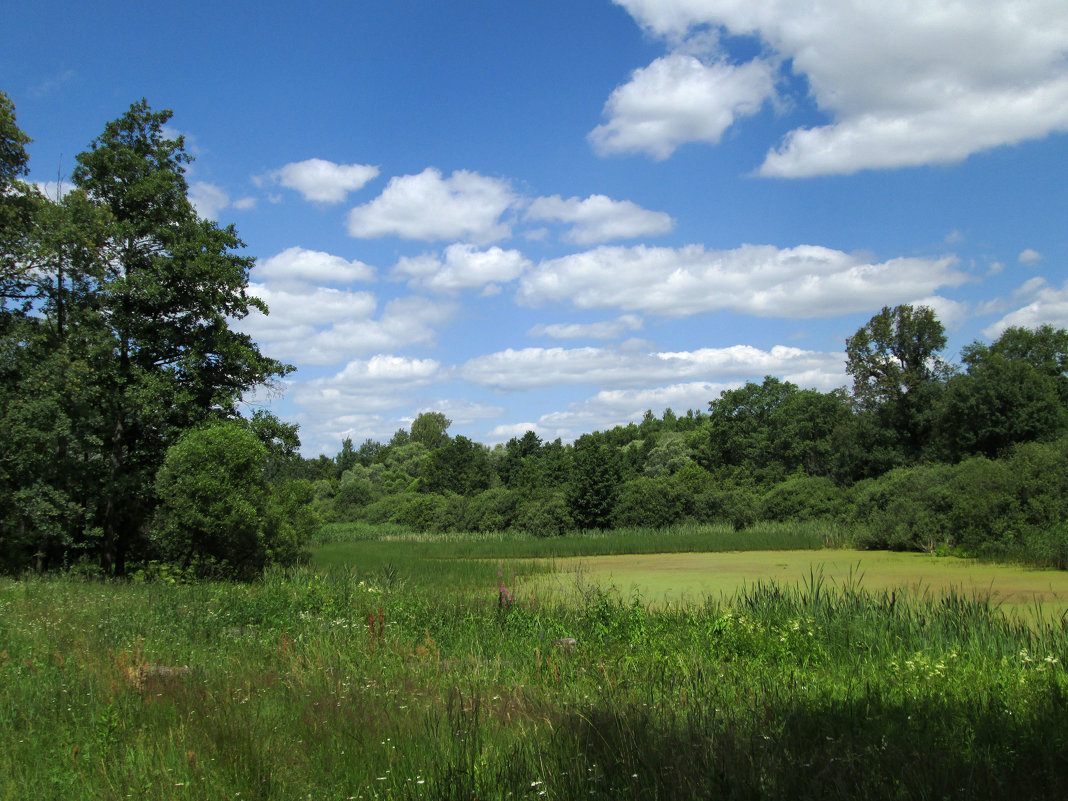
[(116, 332), (897, 371), (1015, 390)]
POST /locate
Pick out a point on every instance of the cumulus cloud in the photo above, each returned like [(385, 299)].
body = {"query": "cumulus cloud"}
[(429, 207), (608, 329), (805, 281), (297, 265), (679, 99), (615, 407), (599, 218), (507, 431), (1029, 257), (1049, 307), (633, 366), (951, 313), (316, 325), (903, 84), (370, 385), (321, 181), (463, 267), (461, 412), (208, 199)]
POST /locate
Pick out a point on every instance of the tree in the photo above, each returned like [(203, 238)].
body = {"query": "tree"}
[(1015, 390), (346, 457), (173, 285), (897, 372), (18, 204), (459, 466), (217, 511), (429, 429), (595, 476), (128, 343)]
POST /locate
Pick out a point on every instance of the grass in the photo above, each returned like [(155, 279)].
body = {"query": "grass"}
[(419, 678)]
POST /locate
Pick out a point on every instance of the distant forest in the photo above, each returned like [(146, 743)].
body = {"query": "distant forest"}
[(918, 454)]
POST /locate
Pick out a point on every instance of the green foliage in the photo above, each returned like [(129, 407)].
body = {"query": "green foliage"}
[(803, 498), (654, 502), (429, 430), (1015, 391), (591, 496), (544, 515), (217, 509), (458, 465), (129, 343), (897, 372), (894, 354)]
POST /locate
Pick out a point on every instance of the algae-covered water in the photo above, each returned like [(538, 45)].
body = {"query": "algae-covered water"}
[(671, 578)]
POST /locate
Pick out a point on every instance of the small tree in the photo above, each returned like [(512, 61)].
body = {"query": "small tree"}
[(217, 509)]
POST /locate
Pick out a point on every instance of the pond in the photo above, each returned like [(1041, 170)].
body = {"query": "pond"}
[(670, 578)]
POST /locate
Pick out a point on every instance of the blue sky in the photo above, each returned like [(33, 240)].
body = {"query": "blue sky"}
[(557, 215)]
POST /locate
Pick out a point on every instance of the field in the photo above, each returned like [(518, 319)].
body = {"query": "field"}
[(400, 667)]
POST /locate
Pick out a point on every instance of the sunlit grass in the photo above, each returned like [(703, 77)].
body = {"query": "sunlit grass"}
[(419, 678)]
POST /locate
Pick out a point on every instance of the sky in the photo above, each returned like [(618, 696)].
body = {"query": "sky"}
[(556, 215)]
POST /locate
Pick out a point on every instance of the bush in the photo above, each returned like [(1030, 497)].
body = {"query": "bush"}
[(544, 515), (648, 502), (803, 498), (217, 511), (905, 509)]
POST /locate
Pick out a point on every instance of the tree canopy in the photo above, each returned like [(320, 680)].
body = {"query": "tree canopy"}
[(115, 339)]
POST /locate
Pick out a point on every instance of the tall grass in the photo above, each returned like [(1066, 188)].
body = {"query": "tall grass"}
[(809, 535), (406, 681)]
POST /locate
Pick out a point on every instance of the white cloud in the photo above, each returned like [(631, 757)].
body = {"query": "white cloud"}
[(805, 281), (951, 313), (679, 99), (366, 386), (208, 199), (427, 206), (245, 203), (1029, 257), (322, 181), (633, 366), (460, 412), (296, 265), (903, 83), (317, 325), (614, 407), (507, 431), (599, 218), (1050, 307), (464, 267), (608, 329)]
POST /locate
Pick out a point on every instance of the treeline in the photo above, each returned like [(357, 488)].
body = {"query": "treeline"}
[(919, 454), (120, 376)]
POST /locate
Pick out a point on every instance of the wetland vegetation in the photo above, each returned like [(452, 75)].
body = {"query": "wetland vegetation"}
[(455, 670)]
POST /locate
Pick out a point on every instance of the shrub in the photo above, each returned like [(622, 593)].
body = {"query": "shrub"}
[(648, 502), (803, 498), (216, 509), (544, 515)]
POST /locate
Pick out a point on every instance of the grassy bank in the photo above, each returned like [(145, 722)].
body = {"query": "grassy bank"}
[(428, 682)]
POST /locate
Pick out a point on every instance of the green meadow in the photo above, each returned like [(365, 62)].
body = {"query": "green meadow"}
[(672, 665)]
